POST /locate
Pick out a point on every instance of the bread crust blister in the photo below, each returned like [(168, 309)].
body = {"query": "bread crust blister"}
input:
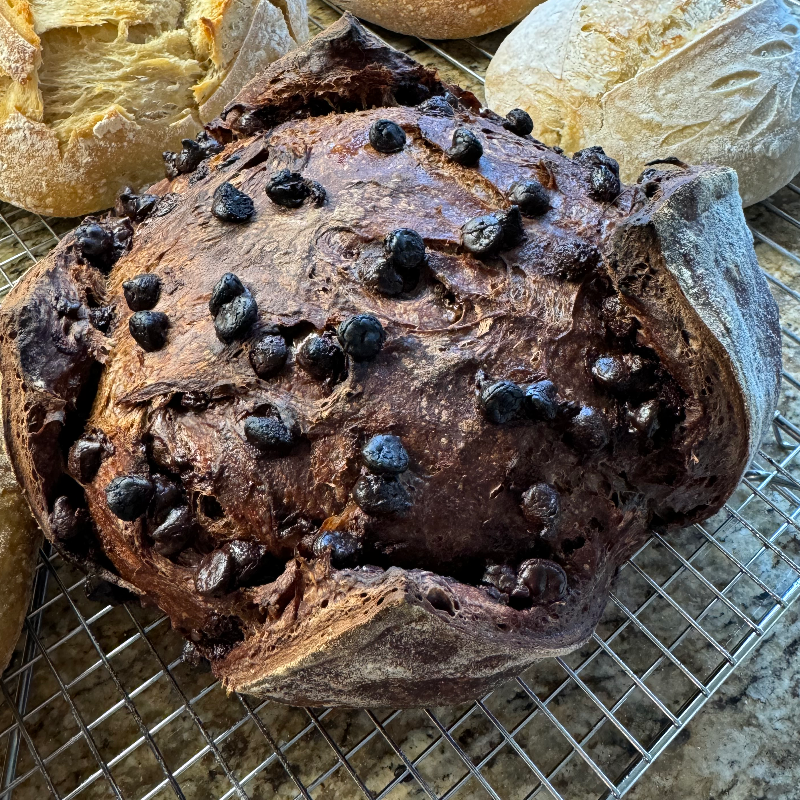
[(485, 531)]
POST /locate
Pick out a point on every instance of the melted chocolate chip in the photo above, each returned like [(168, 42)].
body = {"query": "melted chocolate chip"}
[(466, 148), (232, 205), (502, 402), (619, 321), (530, 196), (268, 355), (170, 164), (99, 590), (596, 157), (387, 136), (321, 357), (166, 204), (85, 457), (380, 275), (251, 563), (588, 431), (190, 156), (101, 318), (381, 496), (95, 243), (519, 122), (142, 292), (173, 534), (235, 319), (605, 185), (136, 207), (361, 336), (67, 523), (545, 580), (268, 434), (149, 329), (343, 547), (541, 401), (644, 419), (452, 99), (406, 248), (228, 287), (215, 574), (384, 454), (611, 372), (572, 259), (287, 189), (437, 107), (128, 496), (501, 576), (541, 507), (166, 496), (209, 145), (192, 655)]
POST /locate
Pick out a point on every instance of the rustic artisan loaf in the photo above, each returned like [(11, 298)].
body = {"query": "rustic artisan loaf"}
[(707, 82), (374, 402), (92, 92), (441, 19)]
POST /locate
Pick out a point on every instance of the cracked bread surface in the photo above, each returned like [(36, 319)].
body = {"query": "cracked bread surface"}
[(498, 534)]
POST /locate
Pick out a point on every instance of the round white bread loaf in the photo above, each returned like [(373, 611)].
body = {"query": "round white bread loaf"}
[(91, 92), (706, 81), (440, 19)]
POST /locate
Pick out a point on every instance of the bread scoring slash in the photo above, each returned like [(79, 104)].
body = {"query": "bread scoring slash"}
[(383, 435)]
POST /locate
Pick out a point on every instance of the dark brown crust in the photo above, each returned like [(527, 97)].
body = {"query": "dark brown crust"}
[(397, 632)]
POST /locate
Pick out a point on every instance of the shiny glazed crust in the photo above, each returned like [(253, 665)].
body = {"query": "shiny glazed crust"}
[(665, 273)]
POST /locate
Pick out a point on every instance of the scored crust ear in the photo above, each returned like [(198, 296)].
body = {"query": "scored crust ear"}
[(344, 68)]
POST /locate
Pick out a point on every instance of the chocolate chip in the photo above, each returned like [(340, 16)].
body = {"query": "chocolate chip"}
[(95, 243), (519, 122), (190, 156), (149, 329), (67, 523), (384, 454), (166, 496), (380, 275), (572, 259), (135, 207), (268, 434), (611, 372), (619, 321), (501, 576), (438, 107), (466, 148), (251, 563), (387, 136), (588, 431), (208, 144), (99, 590), (605, 186), (596, 157), (545, 580), (406, 248), (235, 319), (128, 496), (320, 356), (502, 402), (142, 292), (483, 235), (541, 401), (520, 597), (268, 355), (513, 229), (102, 317), (173, 534), (361, 336), (541, 507), (192, 655), (85, 457), (644, 419), (382, 497), (287, 189), (228, 287), (215, 574), (343, 547), (530, 196), (232, 205)]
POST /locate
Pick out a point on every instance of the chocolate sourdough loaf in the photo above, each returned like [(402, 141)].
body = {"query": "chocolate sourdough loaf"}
[(374, 397)]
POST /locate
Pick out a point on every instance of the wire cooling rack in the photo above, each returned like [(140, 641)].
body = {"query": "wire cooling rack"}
[(97, 703)]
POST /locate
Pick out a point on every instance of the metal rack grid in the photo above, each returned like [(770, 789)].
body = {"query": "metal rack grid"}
[(97, 703)]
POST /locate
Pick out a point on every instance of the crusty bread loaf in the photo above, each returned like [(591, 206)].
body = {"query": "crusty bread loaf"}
[(378, 398), (705, 81), (92, 92), (441, 19)]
